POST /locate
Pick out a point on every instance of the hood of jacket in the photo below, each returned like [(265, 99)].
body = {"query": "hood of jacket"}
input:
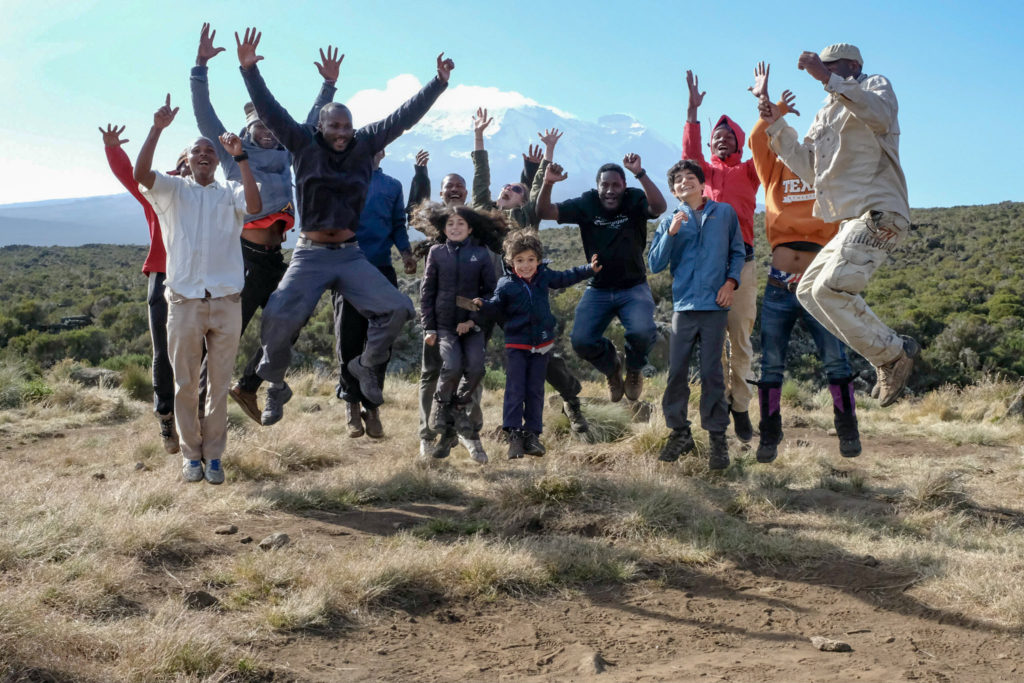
[(741, 137)]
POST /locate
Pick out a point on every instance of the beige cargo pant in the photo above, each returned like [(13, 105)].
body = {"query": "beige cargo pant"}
[(831, 288), (739, 352), (190, 322)]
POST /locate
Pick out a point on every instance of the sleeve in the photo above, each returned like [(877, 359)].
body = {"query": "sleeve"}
[(163, 194), (384, 132), (494, 306), (488, 283), (799, 157), (737, 250), (659, 256), (692, 149), (238, 196), (121, 167), (560, 279), (571, 211), (206, 118), (325, 95), (428, 295), (531, 203), (292, 135), (529, 172), (764, 159), (399, 233), (419, 188), (481, 180), (640, 208), (872, 101)]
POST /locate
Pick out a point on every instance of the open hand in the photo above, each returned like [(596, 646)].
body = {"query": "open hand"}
[(677, 221), (812, 64), (329, 65), (422, 157), (769, 110), (430, 339), (760, 87), (550, 137), (112, 135), (232, 143), (444, 67), (206, 50), (534, 155), (554, 174), (788, 98), (480, 121), (594, 265), (465, 327), (696, 96), (247, 56), (632, 163), (164, 115)]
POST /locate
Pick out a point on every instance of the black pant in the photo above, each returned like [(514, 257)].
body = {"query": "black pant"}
[(264, 268), (350, 339), (559, 376), (163, 375)]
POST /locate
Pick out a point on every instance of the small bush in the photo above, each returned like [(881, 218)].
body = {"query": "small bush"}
[(137, 382)]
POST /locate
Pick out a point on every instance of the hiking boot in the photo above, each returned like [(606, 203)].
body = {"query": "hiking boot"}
[(532, 444), (371, 420), (168, 433), (214, 472), (246, 400), (273, 409), (442, 416), (680, 442), (616, 387), (475, 448), (354, 420), (741, 425), (893, 376), (718, 456), (634, 384), (369, 380), (191, 470), (845, 419), (770, 398), (515, 444), (573, 411), (874, 390), (444, 446)]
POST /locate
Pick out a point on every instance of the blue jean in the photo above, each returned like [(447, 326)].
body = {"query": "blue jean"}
[(780, 310), (524, 390), (634, 308)]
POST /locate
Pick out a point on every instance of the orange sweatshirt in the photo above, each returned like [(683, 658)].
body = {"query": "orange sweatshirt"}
[(789, 201)]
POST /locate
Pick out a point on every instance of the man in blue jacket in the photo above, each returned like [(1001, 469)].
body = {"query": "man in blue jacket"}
[(702, 245)]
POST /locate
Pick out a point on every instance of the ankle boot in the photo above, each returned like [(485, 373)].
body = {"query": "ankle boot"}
[(769, 396), (845, 408)]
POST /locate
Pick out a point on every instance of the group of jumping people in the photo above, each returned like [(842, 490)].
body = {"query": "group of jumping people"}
[(836, 207)]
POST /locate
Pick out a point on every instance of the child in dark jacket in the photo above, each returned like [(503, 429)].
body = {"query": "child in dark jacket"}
[(457, 266), (521, 298)]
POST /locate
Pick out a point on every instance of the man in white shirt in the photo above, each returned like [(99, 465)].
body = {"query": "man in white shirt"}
[(202, 222)]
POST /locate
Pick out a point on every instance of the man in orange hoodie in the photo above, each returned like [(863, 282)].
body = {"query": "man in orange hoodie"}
[(731, 181), (796, 236)]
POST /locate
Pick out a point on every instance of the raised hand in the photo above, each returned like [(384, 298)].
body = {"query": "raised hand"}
[(550, 137), (206, 50), (554, 174), (329, 65), (232, 143), (422, 157), (696, 96), (112, 135), (594, 265), (812, 64), (164, 115), (760, 87), (768, 110), (534, 155), (677, 221), (632, 163), (788, 98), (480, 121), (444, 67), (247, 56)]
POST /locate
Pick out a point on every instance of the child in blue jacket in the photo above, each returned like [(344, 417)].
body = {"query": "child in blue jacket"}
[(521, 298), (702, 245)]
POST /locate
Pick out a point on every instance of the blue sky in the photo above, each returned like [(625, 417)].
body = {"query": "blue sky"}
[(66, 68)]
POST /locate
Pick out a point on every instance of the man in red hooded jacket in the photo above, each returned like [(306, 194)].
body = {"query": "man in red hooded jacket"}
[(733, 182)]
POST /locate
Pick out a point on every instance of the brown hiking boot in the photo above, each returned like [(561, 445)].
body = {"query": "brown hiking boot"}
[(634, 384), (371, 420), (246, 400), (616, 387), (354, 419), (168, 433), (893, 376)]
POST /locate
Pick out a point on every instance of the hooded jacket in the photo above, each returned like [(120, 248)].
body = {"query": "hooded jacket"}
[(272, 168), (462, 269), (731, 180)]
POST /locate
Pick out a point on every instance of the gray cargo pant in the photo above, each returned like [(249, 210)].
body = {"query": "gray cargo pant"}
[(687, 327)]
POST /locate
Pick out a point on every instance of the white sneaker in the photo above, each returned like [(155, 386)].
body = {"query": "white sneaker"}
[(192, 470), (475, 448)]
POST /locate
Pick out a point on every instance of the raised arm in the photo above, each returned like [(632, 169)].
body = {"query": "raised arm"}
[(545, 209), (419, 188), (120, 164), (329, 67), (233, 145), (692, 148), (209, 123), (384, 132), (163, 117), (798, 156), (481, 166), (531, 162), (271, 113), (656, 204), (871, 100)]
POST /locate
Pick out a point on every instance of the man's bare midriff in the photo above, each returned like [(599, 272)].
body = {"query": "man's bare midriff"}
[(271, 236), (328, 235), (791, 260)]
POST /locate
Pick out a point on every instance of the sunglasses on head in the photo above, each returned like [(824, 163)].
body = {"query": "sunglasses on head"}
[(518, 189)]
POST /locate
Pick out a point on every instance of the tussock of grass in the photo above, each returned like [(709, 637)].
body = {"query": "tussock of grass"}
[(944, 489)]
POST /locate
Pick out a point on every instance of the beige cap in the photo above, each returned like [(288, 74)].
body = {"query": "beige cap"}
[(251, 116), (841, 51)]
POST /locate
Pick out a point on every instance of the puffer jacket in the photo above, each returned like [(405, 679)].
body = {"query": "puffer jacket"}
[(525, 306), (462, 269)]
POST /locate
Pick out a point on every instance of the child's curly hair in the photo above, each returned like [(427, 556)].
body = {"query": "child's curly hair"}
[(519, 241), (489, 227)]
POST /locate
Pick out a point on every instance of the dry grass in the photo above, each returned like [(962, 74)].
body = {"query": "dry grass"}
[(93, 568)]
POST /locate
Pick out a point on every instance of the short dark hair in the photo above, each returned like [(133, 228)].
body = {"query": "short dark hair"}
[(331, 107), (614, 168), (685, 165), (519, 241)]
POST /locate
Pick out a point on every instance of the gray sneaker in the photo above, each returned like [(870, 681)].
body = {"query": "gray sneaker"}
[(192, 470), (369, 380), (273, 409), (214, 472), (475, 448), (168, 433), (893, 376)]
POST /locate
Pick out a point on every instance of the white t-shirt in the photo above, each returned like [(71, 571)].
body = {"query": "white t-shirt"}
[(201, 227)]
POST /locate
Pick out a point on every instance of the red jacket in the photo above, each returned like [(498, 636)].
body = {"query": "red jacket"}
[(156, 260), (732, 181)]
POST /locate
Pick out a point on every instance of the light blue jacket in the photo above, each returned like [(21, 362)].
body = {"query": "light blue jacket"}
[(701, 256)]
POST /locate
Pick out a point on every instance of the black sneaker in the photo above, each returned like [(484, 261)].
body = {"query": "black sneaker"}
[(273, 409), (680, 441), (718, 457), (573, 411), (515, 444), (369, 380), (848, 433), (616, 386), (532, 444), (445, 444), (741, 424)]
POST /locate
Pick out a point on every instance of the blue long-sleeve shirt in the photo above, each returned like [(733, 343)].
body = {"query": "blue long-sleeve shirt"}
[(707, 251), (382, 222)]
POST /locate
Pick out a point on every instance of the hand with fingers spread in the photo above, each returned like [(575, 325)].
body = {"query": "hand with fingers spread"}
[(232, 143), (788, 98), (533, 155), (696, 97), (112, 136), (329, 65), (550, 138), (246, 47), (760, 87), (206, 50), (422, 157), (768, 110), (164, 115), (480, 121), (444, 67), (554, 174), (632, 164)]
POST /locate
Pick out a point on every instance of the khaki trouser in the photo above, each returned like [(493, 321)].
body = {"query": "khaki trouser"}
[(190, 322), (738, 353), (830, 289)]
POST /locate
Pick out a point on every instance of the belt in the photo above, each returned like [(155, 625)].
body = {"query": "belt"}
[(307, 243), (789, 287)]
